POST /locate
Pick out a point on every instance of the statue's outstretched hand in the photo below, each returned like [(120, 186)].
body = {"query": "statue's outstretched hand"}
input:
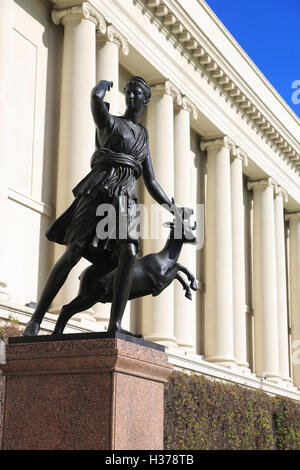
[(105, 85), (185, 211)]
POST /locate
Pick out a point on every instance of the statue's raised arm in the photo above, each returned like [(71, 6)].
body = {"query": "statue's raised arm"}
[(100, 112)]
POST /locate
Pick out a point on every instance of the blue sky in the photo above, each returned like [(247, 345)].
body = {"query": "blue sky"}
[(269, 32)]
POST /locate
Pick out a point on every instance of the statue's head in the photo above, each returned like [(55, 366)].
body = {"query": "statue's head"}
[(137, 92)]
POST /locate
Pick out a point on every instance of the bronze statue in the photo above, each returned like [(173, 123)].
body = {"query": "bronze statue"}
[(121, 156)]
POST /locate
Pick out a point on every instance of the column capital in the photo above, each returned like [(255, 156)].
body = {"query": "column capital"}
[(167, 88), (262, 184), (189, 106), (113, 35), (224, 141), (280, 192), (240, 154), (83, 11), (292, 216)]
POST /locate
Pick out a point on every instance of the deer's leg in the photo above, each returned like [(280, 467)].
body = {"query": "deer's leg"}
[(185, 285), (191, 277), (90, 276), (90, 291), (79, 304), (122, 284)]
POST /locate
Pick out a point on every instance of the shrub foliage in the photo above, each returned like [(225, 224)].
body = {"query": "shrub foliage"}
[(213, 415), (9, 328)]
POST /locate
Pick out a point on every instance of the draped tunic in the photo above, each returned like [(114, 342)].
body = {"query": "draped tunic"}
[(115, 166)]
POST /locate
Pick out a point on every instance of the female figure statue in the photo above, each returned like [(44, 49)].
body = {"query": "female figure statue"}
[(121, 156)]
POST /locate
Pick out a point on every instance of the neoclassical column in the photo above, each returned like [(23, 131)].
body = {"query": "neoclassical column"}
[(238, 257), (265, 300), (219, 345), (6, 51), (283, 343), (77, 129), (107, 59), (184, 309), (158, 312), (294, 276)]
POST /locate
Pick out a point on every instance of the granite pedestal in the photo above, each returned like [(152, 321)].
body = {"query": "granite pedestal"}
[(84, 391)]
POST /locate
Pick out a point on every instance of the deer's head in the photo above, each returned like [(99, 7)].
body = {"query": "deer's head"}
[(181, 228)]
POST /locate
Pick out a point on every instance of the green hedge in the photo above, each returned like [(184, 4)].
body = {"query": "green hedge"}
[(212, 415)]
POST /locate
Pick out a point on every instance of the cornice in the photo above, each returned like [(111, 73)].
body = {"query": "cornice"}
[(197, 52)]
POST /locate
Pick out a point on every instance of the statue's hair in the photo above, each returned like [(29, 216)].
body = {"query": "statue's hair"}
[(143, 85)]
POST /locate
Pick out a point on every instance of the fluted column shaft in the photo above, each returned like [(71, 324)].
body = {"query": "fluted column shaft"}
[(219, 346), (265, 280), (238, 258), (184, 309), (77, 130), (283, 344), (294, 262), (107, 60), (158, 312), (6, 51)]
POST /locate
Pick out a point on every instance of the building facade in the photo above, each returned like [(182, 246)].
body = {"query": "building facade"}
[(221, 138)]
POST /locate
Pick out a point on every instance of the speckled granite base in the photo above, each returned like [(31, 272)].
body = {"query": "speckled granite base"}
[(84, 394)]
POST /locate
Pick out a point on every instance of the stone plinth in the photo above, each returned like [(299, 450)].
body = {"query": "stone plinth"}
[(85, 391)]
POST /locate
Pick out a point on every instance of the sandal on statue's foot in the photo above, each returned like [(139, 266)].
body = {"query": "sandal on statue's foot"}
[(32, 328)]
